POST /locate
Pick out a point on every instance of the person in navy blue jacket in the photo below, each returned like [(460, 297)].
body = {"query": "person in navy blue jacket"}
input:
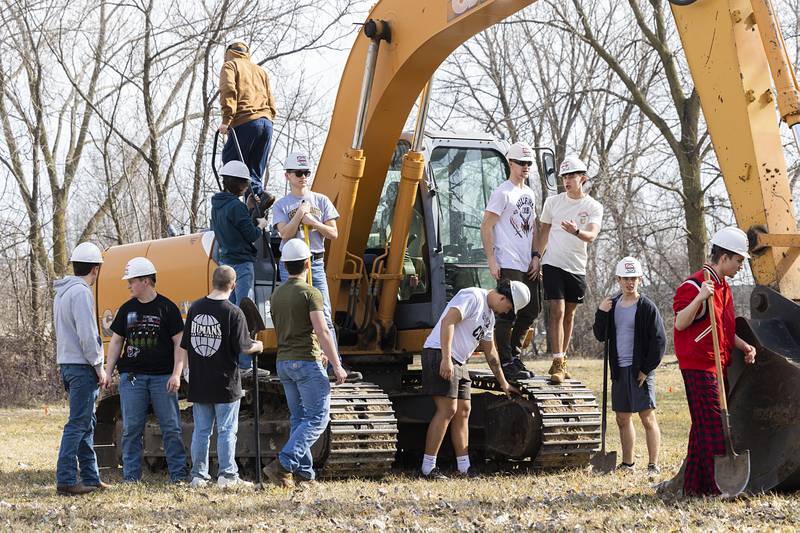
[(633, 327)]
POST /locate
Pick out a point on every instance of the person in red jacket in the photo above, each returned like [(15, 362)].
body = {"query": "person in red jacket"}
[(695, 350)]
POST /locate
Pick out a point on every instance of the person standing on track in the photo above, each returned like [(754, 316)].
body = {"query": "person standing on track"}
[(305, 210), (248, 107), (235, 231), (79, 354), (569, 222), (634, 330), (466, 324), (507, 232), (694, 348)]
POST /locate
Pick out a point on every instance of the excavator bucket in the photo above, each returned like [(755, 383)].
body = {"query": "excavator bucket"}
[(764, 398)]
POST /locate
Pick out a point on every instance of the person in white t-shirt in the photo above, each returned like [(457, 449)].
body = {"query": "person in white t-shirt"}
[(466, 323), (507, 231), (569, 222)]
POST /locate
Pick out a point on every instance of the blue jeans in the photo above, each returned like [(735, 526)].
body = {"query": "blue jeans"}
[(320, 282), (227, 416), (245, 275), (254, 138), (137, 393), (308, 393), (77, 441)]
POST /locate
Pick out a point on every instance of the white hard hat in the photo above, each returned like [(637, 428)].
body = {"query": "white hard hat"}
[(86, 252), (629, 267), (235, 169), (137, 267), (296, 161), (295, 250), (732, 239), (520, 294), (520, 151), (572, 163)]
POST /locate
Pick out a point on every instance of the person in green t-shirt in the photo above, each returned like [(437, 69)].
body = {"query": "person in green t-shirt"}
[(303, 337)]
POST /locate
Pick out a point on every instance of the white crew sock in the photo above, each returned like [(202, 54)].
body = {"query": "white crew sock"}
[(463, 463), (428, 463), (559, 355)]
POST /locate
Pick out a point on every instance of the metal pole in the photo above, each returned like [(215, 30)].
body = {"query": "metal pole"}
[(366, 90), (422, 117), (256, 415)]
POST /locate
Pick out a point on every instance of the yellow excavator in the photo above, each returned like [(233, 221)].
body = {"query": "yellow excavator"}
[(409, 239)]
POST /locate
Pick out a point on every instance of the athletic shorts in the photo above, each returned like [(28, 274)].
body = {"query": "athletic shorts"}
[(628, 397), (459, 384), (559, 284)]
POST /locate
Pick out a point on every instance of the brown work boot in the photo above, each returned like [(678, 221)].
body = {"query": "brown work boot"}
[(301, 482), (558, 370), (567, 375), (278, 475), (78, 489), (100, 486)]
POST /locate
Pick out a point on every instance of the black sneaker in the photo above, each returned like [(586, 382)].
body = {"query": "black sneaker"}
[(471, 473), (521, 367), (512, 372), (434, 475)]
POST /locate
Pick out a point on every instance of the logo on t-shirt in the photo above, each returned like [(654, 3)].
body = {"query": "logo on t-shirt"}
[(583, 217), (480, 332), (142, 332), (206, 335), (522, 216)]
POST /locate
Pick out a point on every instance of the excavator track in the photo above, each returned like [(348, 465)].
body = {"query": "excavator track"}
[(362, 434), (565, 419)]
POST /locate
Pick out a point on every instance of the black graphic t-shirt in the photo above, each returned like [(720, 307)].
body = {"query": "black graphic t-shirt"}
[(148, 329), (215, 334)]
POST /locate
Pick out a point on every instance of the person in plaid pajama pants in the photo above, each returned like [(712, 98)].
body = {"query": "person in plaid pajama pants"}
[(695, 351)]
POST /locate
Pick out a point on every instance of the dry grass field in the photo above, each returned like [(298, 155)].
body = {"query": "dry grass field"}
[(574, 500)]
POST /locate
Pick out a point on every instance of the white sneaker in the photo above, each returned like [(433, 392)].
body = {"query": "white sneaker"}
[(198, 482), (233, 483)]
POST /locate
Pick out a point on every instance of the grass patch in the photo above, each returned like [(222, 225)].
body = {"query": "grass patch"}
[(574, 500)]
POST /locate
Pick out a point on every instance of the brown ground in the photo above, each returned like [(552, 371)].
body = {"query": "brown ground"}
[(573, 500)]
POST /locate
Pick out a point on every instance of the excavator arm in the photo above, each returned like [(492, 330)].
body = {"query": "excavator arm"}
[(735, 54)]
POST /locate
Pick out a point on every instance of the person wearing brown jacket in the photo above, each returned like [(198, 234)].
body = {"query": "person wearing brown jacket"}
[(248, 107)]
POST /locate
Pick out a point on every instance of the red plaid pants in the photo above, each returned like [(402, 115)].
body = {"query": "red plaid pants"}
[(706, 438)]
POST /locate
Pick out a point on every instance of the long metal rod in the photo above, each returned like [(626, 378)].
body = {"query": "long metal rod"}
[(366, 90), (422, 117)]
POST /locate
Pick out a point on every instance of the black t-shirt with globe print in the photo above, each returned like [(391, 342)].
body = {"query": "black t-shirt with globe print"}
[(148, 329), (215, 334)]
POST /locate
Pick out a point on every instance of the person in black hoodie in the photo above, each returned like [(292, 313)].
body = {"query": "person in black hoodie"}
[(235, 232), (632, 325)]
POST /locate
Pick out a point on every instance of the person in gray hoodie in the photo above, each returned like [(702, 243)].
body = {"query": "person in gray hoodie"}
[(80, 359)]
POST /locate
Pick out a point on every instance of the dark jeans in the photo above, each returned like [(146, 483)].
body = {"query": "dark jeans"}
[(77, 442), (510, 329), (254, 138)]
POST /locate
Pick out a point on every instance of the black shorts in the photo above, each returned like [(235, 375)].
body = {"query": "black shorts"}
[(559, 284), (628, 397), (459, 384)]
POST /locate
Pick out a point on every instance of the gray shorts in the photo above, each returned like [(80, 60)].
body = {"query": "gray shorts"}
[(458, 386), (628, 397)]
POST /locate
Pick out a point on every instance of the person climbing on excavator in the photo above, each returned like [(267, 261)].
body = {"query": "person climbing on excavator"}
[(248, 107), (235, 231), (507, 232), (309, 216), (694, 348), (569, 222)]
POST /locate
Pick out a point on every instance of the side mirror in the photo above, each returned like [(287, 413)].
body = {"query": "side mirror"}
[(549, 167)]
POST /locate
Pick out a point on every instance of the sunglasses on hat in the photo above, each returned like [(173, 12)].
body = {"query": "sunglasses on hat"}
[(300, 173), (522, 163)]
